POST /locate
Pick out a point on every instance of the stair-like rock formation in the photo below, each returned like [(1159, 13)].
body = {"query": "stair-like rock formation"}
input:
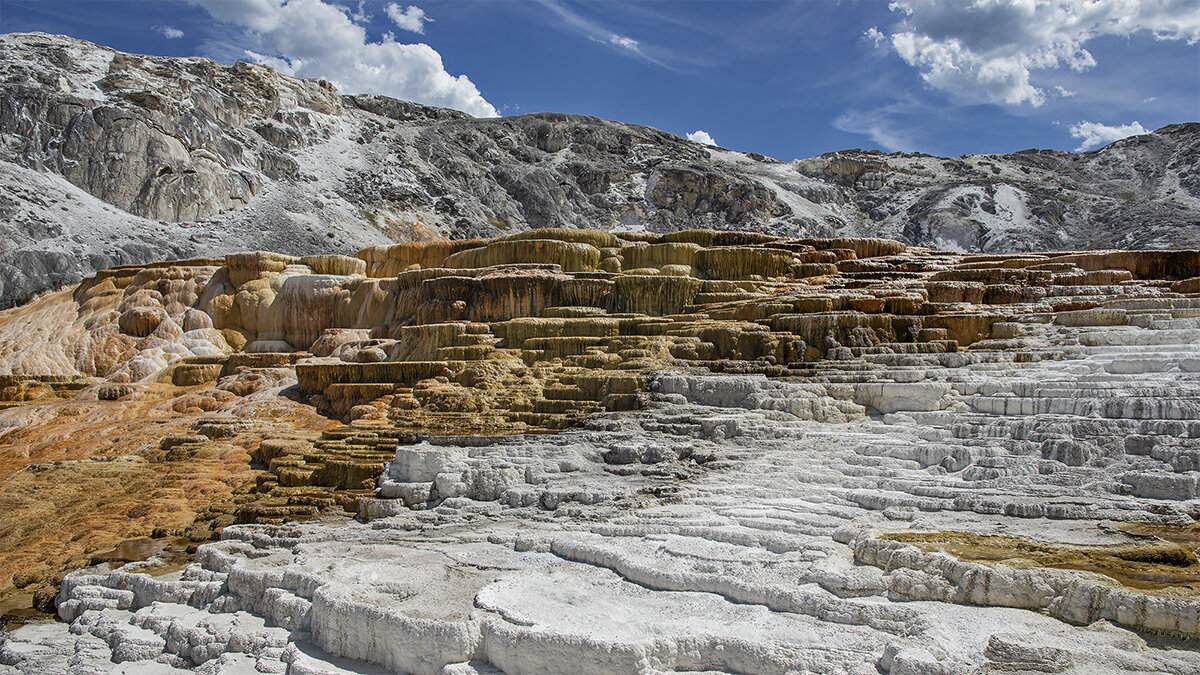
[(539, 329), (590, 452)]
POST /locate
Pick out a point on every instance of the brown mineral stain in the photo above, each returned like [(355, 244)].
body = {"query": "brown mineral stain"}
[(87, 481), (1165, 564)]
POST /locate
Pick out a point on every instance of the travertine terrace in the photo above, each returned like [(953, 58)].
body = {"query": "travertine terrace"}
[(568, 450)]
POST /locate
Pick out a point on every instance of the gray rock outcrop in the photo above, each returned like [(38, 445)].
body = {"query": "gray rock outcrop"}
[(109, 158)]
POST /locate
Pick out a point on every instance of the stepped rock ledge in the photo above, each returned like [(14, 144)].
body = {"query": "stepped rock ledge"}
[(568, 450), (859, 413)]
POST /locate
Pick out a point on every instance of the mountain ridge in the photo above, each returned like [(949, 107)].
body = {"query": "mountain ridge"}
[(110, 158)]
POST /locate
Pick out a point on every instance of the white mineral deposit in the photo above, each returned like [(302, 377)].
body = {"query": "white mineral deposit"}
[(312, 383)]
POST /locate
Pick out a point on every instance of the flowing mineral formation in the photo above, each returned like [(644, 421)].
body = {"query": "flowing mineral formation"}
[(573, 451)]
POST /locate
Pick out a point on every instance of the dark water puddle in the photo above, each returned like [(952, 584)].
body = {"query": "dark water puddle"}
[(132, 550)]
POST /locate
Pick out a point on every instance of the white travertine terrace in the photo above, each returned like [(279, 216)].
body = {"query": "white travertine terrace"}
[(794, 448), (570, 553)]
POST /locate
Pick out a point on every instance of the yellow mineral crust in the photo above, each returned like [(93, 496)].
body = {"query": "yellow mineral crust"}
[(1157, 565)]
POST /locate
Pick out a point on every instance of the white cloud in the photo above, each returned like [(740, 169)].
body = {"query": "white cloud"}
[(597, 33), (1095, 135), (875, 35), (1063, 91), (310, 38), (878, 125), (623, 41), (411, 19), (701, 136), (1152, 99), (987, 49), (169, 32)]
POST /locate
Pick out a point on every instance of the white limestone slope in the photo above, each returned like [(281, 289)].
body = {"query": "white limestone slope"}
[(732, 527)]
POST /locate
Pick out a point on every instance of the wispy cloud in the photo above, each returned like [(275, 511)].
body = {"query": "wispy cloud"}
[(598, 33), (169, 32), (881, 125), (623, 41), (875, 36)]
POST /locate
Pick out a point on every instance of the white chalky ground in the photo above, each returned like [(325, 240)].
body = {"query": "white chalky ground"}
[(732, 526)]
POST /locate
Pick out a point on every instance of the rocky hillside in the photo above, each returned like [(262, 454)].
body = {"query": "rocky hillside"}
[(109, 158)]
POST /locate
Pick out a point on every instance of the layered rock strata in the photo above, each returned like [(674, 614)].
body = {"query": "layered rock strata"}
[(772, 455), (80, 478), (109, 158)]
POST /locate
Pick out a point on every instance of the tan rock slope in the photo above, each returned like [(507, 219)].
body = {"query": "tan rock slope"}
[(849, 434)]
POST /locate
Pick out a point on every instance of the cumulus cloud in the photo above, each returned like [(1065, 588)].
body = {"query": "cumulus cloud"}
[(987, 49), (169, 32), (311, 38), (1095, 135), (411, 19), (701, 136)]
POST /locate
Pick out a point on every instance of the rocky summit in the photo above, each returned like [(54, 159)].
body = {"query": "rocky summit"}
[(300, 382), (570, 450), (109, 158)]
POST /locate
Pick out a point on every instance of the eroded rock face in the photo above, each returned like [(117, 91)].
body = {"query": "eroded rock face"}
[(215, 159), (168, 139), (772, 454), (1029, 200)]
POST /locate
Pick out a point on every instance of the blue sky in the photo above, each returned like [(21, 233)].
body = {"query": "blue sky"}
[(787, 79)]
